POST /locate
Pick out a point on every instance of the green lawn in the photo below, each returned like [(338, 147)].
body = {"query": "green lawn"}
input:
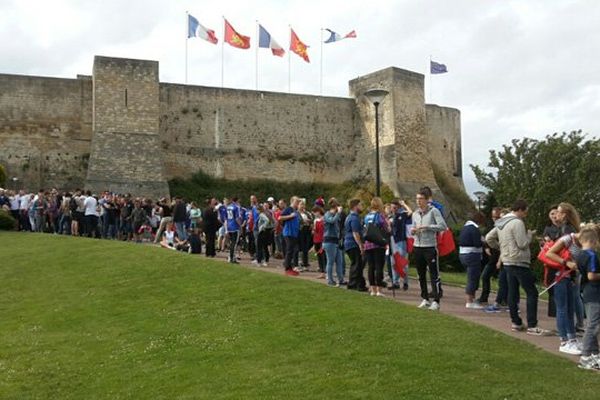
[(89, 319)]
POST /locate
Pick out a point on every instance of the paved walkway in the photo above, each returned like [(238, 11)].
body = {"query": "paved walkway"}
[(453, 303)]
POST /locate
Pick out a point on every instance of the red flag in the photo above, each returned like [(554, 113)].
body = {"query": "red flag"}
[(234, 38), (298, 47), (445, 243), (398, 259)]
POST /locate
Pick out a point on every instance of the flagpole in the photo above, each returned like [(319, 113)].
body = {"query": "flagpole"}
[(290, 63), (223, 55), (321, 73), (187, 24), (430, 81), (256, 56)]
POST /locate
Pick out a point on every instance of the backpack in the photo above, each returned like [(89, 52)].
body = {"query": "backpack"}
[(73, 204)]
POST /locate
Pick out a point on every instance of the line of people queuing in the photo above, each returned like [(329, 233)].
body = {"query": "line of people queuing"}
[(276, 229), (572, 273)]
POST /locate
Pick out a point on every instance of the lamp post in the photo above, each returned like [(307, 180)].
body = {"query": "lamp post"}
[(480, 196), (376, 96)]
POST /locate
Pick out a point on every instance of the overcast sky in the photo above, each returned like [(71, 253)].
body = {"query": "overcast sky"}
[(516, 68)]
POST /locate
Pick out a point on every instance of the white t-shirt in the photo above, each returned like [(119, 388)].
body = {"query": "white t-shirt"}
[(15, 202), (24, 202), (90, 205)]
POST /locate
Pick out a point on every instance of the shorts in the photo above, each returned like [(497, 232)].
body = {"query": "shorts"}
[(78, 217), (222, 231)]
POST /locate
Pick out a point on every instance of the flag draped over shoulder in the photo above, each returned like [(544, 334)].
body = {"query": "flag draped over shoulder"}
[(266, 41), (298, 47), (335, 37), (437, 68), (235, 39), (196, 29)]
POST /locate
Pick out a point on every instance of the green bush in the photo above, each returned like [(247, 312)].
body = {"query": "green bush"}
[(7, 222), (202, 186), (2, 175)]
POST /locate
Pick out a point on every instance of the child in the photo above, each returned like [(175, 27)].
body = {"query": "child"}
[(195, 244), (318, 232), (587, 262)]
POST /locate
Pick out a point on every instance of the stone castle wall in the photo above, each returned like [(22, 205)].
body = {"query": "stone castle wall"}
[(240, 133), (145, 132), (45, 130)]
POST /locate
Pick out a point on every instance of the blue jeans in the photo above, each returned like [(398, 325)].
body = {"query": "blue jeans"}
[(563, 298), (334, 255), (181, 232), (523, 277), (502, 295)]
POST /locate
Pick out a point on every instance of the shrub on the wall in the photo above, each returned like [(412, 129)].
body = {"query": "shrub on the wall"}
[(2, 175)]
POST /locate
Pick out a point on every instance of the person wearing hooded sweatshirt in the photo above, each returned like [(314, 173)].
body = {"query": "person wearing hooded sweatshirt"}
[(513, 239), (427, 222)]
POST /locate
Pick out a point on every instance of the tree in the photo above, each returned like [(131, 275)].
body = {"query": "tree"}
[(562, 167)]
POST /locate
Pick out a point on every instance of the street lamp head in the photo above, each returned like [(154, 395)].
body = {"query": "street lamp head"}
[(376, 96), (480, 195)]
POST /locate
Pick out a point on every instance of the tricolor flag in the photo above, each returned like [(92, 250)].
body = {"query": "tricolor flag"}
[(267, 42), (335, 37), (234, 38), (437, 68), (399, 260), (196, 29), (296, 46)]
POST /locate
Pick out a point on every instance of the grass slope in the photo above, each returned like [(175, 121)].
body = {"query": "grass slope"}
[(88, 319)]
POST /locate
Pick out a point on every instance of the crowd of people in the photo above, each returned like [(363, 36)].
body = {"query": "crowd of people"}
[(290, 232)]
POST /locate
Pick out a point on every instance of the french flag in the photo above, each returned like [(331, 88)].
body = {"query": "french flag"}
[(399, 261), (267, 42), (335, 37), (196, 29)]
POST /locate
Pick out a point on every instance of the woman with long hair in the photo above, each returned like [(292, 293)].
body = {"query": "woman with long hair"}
[(375, 253), (566, 291)]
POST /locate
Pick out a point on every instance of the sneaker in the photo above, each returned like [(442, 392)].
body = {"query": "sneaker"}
[(537, 331), (474, 306), (322, 276), (405, 287), (517, 328), (424, 304), (372, 293), (492, 309), (569, 347), (379, 294), (589, 362), (435, 306), (254, 262), (291, 272), (394, 286), (264, 264)]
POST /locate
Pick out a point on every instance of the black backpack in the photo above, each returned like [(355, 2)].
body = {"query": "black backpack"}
[(73, 204)]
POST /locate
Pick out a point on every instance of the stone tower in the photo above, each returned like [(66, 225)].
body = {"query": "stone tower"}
[(125, 154), (404, 142)]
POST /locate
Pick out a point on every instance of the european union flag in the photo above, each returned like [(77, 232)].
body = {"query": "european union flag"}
[(437, 68)]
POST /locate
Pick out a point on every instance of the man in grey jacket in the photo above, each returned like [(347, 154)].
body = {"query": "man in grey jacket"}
[(427, 222), (512, 238)]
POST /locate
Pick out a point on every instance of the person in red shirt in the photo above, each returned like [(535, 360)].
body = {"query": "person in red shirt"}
[(279, 229), (318, 233)]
